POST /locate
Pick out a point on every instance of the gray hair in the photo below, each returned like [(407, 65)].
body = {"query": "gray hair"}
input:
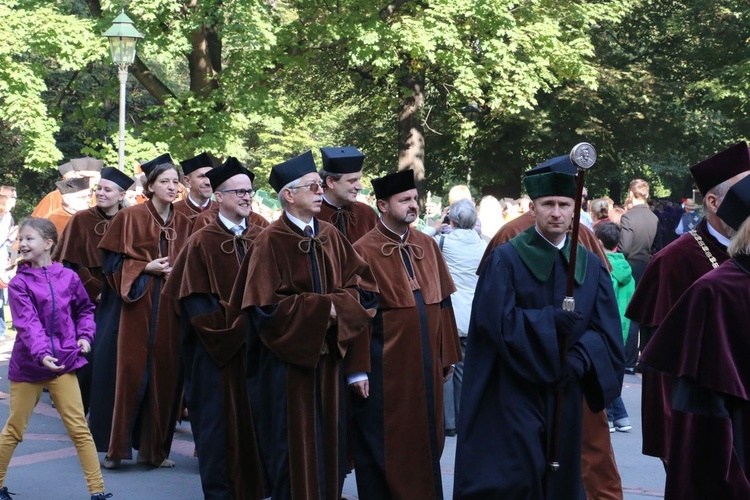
[(463, 213), (324, 174)]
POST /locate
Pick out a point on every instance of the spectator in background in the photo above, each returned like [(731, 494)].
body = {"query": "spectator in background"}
[(8, 232), (638, 231), (491, 215), (463, 249), (599, 211), (586, 218), (615, 215), (690, 219), (624, 285)]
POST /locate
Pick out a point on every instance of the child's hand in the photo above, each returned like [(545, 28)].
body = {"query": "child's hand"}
[(49, 362), (84, 345)]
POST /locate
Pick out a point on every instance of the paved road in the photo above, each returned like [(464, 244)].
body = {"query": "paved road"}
[(45, 464)]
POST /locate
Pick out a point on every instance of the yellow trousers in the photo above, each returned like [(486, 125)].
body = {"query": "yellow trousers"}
[(66, 394)]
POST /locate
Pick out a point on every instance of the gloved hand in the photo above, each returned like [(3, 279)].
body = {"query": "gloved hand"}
[(566, 322), (574, 369)]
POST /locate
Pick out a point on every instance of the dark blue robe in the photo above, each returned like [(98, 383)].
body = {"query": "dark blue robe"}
[(512, 366)]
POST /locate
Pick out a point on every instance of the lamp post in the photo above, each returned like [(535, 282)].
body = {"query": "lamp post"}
[(471, 111), (122, 40)]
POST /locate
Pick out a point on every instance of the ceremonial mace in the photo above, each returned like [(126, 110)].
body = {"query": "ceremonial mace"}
[(583, 156)]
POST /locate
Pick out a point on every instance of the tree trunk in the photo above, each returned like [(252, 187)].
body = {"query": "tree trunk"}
[(410, 127)]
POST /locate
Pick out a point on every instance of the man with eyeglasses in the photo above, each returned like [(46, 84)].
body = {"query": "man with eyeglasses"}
[(397, 407), (213, 340), (87, 167), (341, 174), (309, 297)]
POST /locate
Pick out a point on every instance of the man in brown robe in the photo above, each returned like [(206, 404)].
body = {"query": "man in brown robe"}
[(670, 272), (213, 341), (397, 408), (198, 198), (341, 174), (208, 216), (78, 249), (309, 297), (76, 168), (75, 194), (601, 479)]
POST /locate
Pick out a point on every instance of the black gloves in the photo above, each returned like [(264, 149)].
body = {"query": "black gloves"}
[(566, 322), (575, 367)]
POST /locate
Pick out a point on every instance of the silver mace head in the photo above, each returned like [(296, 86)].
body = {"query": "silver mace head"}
[(583, 155)]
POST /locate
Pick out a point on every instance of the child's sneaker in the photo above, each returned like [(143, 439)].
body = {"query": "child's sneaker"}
[(622, 425), (5, 494), (611, 426)]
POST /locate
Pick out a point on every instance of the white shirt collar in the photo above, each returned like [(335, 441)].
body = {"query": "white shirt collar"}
[(229, 224), (716, 234), (198, 204), (330, 202), (402, 236), (300, 223), (559, 246)]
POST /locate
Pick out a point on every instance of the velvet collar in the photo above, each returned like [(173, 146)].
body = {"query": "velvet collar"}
[(539, 255)]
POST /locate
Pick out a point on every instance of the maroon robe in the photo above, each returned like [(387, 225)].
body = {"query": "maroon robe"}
[(669, 273), (288, 285), (78, 248), (213, 353), (354, 221), (147, 340), (601, 479), (702, 344), (398, 432), (208, 216)]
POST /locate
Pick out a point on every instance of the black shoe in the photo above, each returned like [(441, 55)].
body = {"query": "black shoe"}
[(450, 432), (5, 494), (99, 496)]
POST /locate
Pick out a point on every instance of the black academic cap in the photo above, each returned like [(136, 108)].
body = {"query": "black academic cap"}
[(73, 185), (344, 160), (192, 164), (231, 167), (735, 207), (721, 167), (391, 184), (284, 173), (557, 164), (159, 160), (114, 175)]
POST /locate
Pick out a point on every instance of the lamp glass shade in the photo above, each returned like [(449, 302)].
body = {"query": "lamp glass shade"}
[(122, 49)]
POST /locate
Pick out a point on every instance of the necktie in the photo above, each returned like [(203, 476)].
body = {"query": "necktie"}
[(308, 231), (237, 230)]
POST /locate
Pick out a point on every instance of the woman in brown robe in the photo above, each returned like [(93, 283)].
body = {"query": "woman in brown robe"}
[(140, 245)]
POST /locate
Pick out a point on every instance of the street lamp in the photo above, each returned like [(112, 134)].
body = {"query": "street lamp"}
[(471, 111), (122, 40)]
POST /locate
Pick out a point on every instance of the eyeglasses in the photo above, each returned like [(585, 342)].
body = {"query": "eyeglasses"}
[(240, 193), (313, 186)]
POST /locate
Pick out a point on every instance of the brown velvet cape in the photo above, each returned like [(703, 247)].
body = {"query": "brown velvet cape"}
[(208, 216), (669, 273), (414, 339), (354, 221), (46, 205), (78, 247), (298, 357), (148, 339), (190, 210), (601, 479), (213, 354), (703, 343)]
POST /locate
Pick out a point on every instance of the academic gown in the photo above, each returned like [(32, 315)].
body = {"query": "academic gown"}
[(60, 218), (398, 431), (601, 479), (354, 221), (669, 273), (512, 366), (191, 210), (213, 354), (50, 202), (208, 216), (294, 359), (78, 250), (702, 344), (136, 406)]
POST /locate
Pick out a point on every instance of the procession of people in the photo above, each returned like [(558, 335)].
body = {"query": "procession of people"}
[(349, 334)]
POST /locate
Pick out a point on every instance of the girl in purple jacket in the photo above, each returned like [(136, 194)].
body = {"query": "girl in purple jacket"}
[(54, 320)]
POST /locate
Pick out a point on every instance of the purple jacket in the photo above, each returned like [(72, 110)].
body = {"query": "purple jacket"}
[(51, 311)]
